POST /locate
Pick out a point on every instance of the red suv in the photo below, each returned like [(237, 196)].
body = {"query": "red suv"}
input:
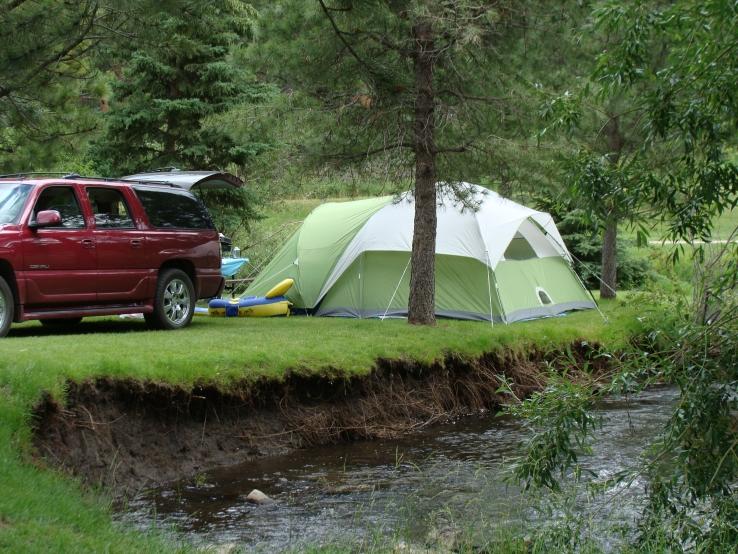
[(73, 247)]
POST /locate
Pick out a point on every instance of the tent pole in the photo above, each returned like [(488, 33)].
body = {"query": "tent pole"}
[(396, 289), (489, 293), (503, 315), (499, 299)]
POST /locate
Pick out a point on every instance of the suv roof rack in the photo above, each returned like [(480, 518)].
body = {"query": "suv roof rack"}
[(68, 175), (65, 174)]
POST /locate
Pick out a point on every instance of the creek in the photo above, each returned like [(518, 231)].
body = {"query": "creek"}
[(420, 488)]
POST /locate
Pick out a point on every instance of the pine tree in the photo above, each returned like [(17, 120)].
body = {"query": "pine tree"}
[(175, 79), (428, 84)]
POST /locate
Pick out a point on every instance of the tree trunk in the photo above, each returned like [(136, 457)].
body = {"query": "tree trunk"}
[(421, 305), (608, 286)]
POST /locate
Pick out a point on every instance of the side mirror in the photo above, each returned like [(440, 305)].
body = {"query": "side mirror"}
[(47, 218)]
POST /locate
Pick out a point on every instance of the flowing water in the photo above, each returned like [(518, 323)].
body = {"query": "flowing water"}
[(417, 488)]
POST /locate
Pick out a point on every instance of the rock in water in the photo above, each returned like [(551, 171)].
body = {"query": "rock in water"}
[(258, 497)]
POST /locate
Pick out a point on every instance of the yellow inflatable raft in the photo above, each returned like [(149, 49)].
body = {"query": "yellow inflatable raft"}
[(273, 303)]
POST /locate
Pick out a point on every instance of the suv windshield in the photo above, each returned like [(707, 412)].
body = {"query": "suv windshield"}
[(12, 198)]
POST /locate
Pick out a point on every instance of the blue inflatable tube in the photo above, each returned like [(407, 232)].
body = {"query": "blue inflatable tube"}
[(251, 306)]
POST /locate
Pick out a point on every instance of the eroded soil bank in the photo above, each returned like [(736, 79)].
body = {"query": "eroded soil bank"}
[(127, 434)]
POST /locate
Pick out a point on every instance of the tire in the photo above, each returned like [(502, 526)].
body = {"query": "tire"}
[(7, 307), (61, 323), (174, 303)]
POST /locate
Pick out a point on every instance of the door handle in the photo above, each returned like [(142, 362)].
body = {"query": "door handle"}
[(136, 243), (88, 243)]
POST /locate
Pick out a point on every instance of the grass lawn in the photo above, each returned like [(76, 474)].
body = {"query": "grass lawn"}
[(40, 510)]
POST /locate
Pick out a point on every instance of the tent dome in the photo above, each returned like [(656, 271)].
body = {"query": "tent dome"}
[(497, 260)]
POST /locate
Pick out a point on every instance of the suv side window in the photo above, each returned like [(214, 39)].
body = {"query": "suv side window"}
[(110, 209), (64, 201), (174, 211)]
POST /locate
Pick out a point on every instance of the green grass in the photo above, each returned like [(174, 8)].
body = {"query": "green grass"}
[(220, 349), (42, 510)]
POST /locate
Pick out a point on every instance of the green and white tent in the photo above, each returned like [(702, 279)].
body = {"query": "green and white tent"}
[(502, 262)]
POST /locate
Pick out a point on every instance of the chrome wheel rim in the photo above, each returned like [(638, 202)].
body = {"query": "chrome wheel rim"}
[(176, 301)]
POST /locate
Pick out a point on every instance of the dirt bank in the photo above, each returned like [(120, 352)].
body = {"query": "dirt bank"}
[(128, 434)]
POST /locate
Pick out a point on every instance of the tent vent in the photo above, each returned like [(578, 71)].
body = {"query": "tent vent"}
[(519, 249), (543, 296)]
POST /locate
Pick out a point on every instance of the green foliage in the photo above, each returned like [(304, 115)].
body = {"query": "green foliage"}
[(176, 81), (604, 189), (582, 235), (233, 209), (693, 467), (683, 57), (49, 92), (561, 421)]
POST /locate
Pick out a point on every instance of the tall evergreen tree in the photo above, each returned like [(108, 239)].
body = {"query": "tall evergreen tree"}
[(173, 79), (418, 81)]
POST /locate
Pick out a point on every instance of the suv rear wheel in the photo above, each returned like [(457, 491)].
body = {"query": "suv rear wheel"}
[(174, 303), (7, 307)]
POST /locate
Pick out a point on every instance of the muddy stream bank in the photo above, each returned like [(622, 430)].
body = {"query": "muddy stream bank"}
[(127, 434)]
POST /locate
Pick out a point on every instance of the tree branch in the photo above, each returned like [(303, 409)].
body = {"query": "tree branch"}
[(340, 36), (382, 40), (13, 4), (76, 42), (63, 53), (454, 149), (462, 96), (367, 153)]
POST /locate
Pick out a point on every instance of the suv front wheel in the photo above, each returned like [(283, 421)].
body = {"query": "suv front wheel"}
[(7, 307), (174, 304)]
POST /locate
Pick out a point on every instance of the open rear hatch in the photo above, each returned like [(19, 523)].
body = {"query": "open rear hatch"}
[(187, 179)]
